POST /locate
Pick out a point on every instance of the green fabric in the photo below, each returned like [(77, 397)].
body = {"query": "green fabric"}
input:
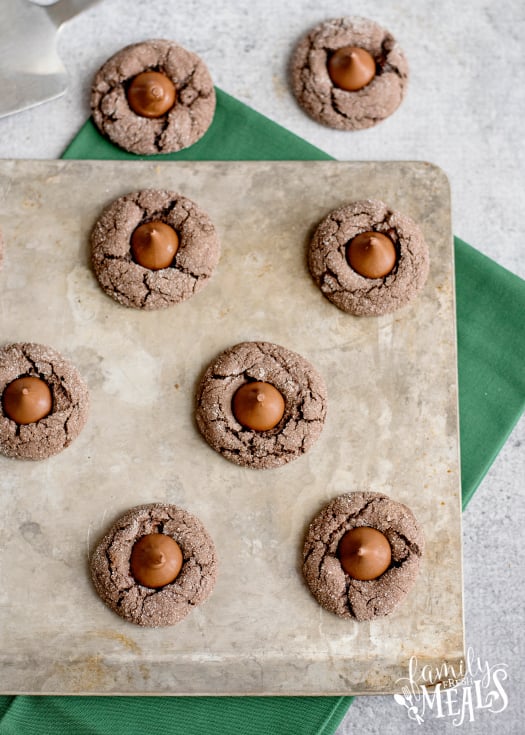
[(173, 715), (237, 133), (491, 354), (490, 309)]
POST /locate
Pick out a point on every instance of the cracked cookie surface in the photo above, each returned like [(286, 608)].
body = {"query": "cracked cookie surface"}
[(300, 384), (69, 412), (180, 127), (332, 587), (130, 283), (339, 108), (111, 575), (346, 288)]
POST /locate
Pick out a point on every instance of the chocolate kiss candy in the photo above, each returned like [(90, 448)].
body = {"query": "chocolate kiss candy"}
[(258, 406), (154, 244), (364, 553), (151, 94), (371, 254), (156, 560), (351, 68), (27, 400)]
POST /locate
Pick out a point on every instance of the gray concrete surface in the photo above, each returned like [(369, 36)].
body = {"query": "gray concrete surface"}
[(463, 111)]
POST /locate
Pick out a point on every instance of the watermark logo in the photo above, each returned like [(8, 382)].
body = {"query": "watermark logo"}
[(458, 692)]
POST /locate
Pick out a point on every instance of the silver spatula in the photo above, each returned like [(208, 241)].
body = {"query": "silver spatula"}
[(30, 69)]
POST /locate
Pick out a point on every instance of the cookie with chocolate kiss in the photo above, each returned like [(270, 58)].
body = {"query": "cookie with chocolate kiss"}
[(290, 415), (153, 97), (359, 527), (349, 73), (171, 553), (44, 402), (368, 259), (152, 249)]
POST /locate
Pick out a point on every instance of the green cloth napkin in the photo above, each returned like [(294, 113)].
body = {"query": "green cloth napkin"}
[(237, 133), (491, 355)]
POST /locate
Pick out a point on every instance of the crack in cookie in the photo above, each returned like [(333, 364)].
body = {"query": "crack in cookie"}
[(301, 386), (336, 590), (130, 283), (347, 289)]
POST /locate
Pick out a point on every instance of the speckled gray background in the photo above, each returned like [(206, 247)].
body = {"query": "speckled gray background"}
[(469, 121)]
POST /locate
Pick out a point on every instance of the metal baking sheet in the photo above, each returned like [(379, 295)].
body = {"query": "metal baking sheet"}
[(392, 426)]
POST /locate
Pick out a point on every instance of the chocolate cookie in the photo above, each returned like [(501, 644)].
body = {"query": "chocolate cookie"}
[(304, 404), (68, 407), (358, 106), (132, 284), (334, 588), (160, 130), (167, 605), (345, 287)]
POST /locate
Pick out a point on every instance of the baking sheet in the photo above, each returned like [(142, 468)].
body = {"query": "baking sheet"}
[(392, 426)]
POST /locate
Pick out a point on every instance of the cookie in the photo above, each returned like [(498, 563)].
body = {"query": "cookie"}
[(351, 291), (299, 384), (69, 408), (167, 605), (348, 109), (1, 250), (134, 285), (182, 125), (336, 590)]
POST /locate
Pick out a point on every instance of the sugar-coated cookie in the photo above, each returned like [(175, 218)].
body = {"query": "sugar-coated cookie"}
[(132, 284), (334, 588), (348, 289), (169, 604), (342, 108), (180, 123), (69, 403), (300, 385)]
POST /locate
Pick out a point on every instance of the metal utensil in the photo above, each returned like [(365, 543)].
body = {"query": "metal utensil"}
[(31, 71)]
